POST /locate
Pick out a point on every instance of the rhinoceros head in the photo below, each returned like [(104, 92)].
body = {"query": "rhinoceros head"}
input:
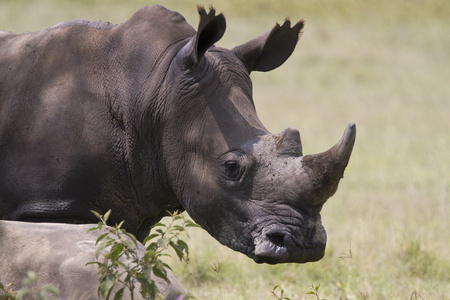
[(253, 191)]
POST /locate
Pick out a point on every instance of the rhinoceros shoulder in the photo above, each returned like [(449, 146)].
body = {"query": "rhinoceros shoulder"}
[(157, 22)]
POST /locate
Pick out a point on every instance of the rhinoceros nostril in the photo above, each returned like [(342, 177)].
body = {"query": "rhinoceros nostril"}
[(271, 248), (276, 239)]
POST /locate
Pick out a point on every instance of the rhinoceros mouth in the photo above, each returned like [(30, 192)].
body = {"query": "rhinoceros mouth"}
[(275, 246)]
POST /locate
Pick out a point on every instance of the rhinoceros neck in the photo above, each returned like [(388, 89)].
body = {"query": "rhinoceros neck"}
[(139, 57)]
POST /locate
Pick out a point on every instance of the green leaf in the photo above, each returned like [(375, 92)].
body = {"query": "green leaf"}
[(106, 285), (120, 224), (22, 293), (101, 238), (178, 228), (162, 254), (116, 250), (148, 286), (106, 216), (162, 242), (131, 236), (96, 214), (119, 294), (31, 278), (147, 272), (152, 247), (130, 273), (52, 290), (183, 244), (94, 228), (94, 262), (101, 247), (161, 273), (167, 267), (178, 250), (150, 237), (130, 245), (121, 264)]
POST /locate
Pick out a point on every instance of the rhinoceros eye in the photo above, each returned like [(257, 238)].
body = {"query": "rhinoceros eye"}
[(233, 170)]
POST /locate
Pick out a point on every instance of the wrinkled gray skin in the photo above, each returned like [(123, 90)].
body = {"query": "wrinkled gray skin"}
[(58, 254), (149, 116)]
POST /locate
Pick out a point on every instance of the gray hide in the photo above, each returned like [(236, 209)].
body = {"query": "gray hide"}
[(150, 116), (58, 253)]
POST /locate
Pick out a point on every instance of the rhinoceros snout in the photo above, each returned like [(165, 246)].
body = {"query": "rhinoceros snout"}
[(276, 245), (271, 248)]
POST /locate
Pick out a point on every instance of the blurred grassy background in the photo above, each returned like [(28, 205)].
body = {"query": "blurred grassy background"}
[(383, 64)]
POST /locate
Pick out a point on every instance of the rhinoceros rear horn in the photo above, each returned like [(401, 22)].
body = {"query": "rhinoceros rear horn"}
[(210, 29), (270, 50), (289, 142), (327, 168)]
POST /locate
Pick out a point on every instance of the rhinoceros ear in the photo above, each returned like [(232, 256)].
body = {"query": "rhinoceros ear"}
[(270, 50), (210, 29)]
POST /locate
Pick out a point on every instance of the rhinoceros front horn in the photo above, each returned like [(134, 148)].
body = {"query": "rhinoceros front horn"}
[(326, 169)]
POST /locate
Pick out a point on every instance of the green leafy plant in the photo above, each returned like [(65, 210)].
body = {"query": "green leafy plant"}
[(217, 267), (27, 291), (314, 291), (278, 292), (6, 293), (120, 264)]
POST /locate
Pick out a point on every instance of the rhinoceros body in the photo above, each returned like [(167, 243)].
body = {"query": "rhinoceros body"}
[(148, 117), (58, 254)]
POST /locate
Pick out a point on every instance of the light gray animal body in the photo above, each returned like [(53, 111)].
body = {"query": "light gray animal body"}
[(58, 254)]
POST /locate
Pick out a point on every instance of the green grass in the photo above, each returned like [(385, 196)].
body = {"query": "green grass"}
[(384, 65)]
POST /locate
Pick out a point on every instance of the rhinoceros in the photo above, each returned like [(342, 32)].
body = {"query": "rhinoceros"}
[(149, 116), (58, 254)]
